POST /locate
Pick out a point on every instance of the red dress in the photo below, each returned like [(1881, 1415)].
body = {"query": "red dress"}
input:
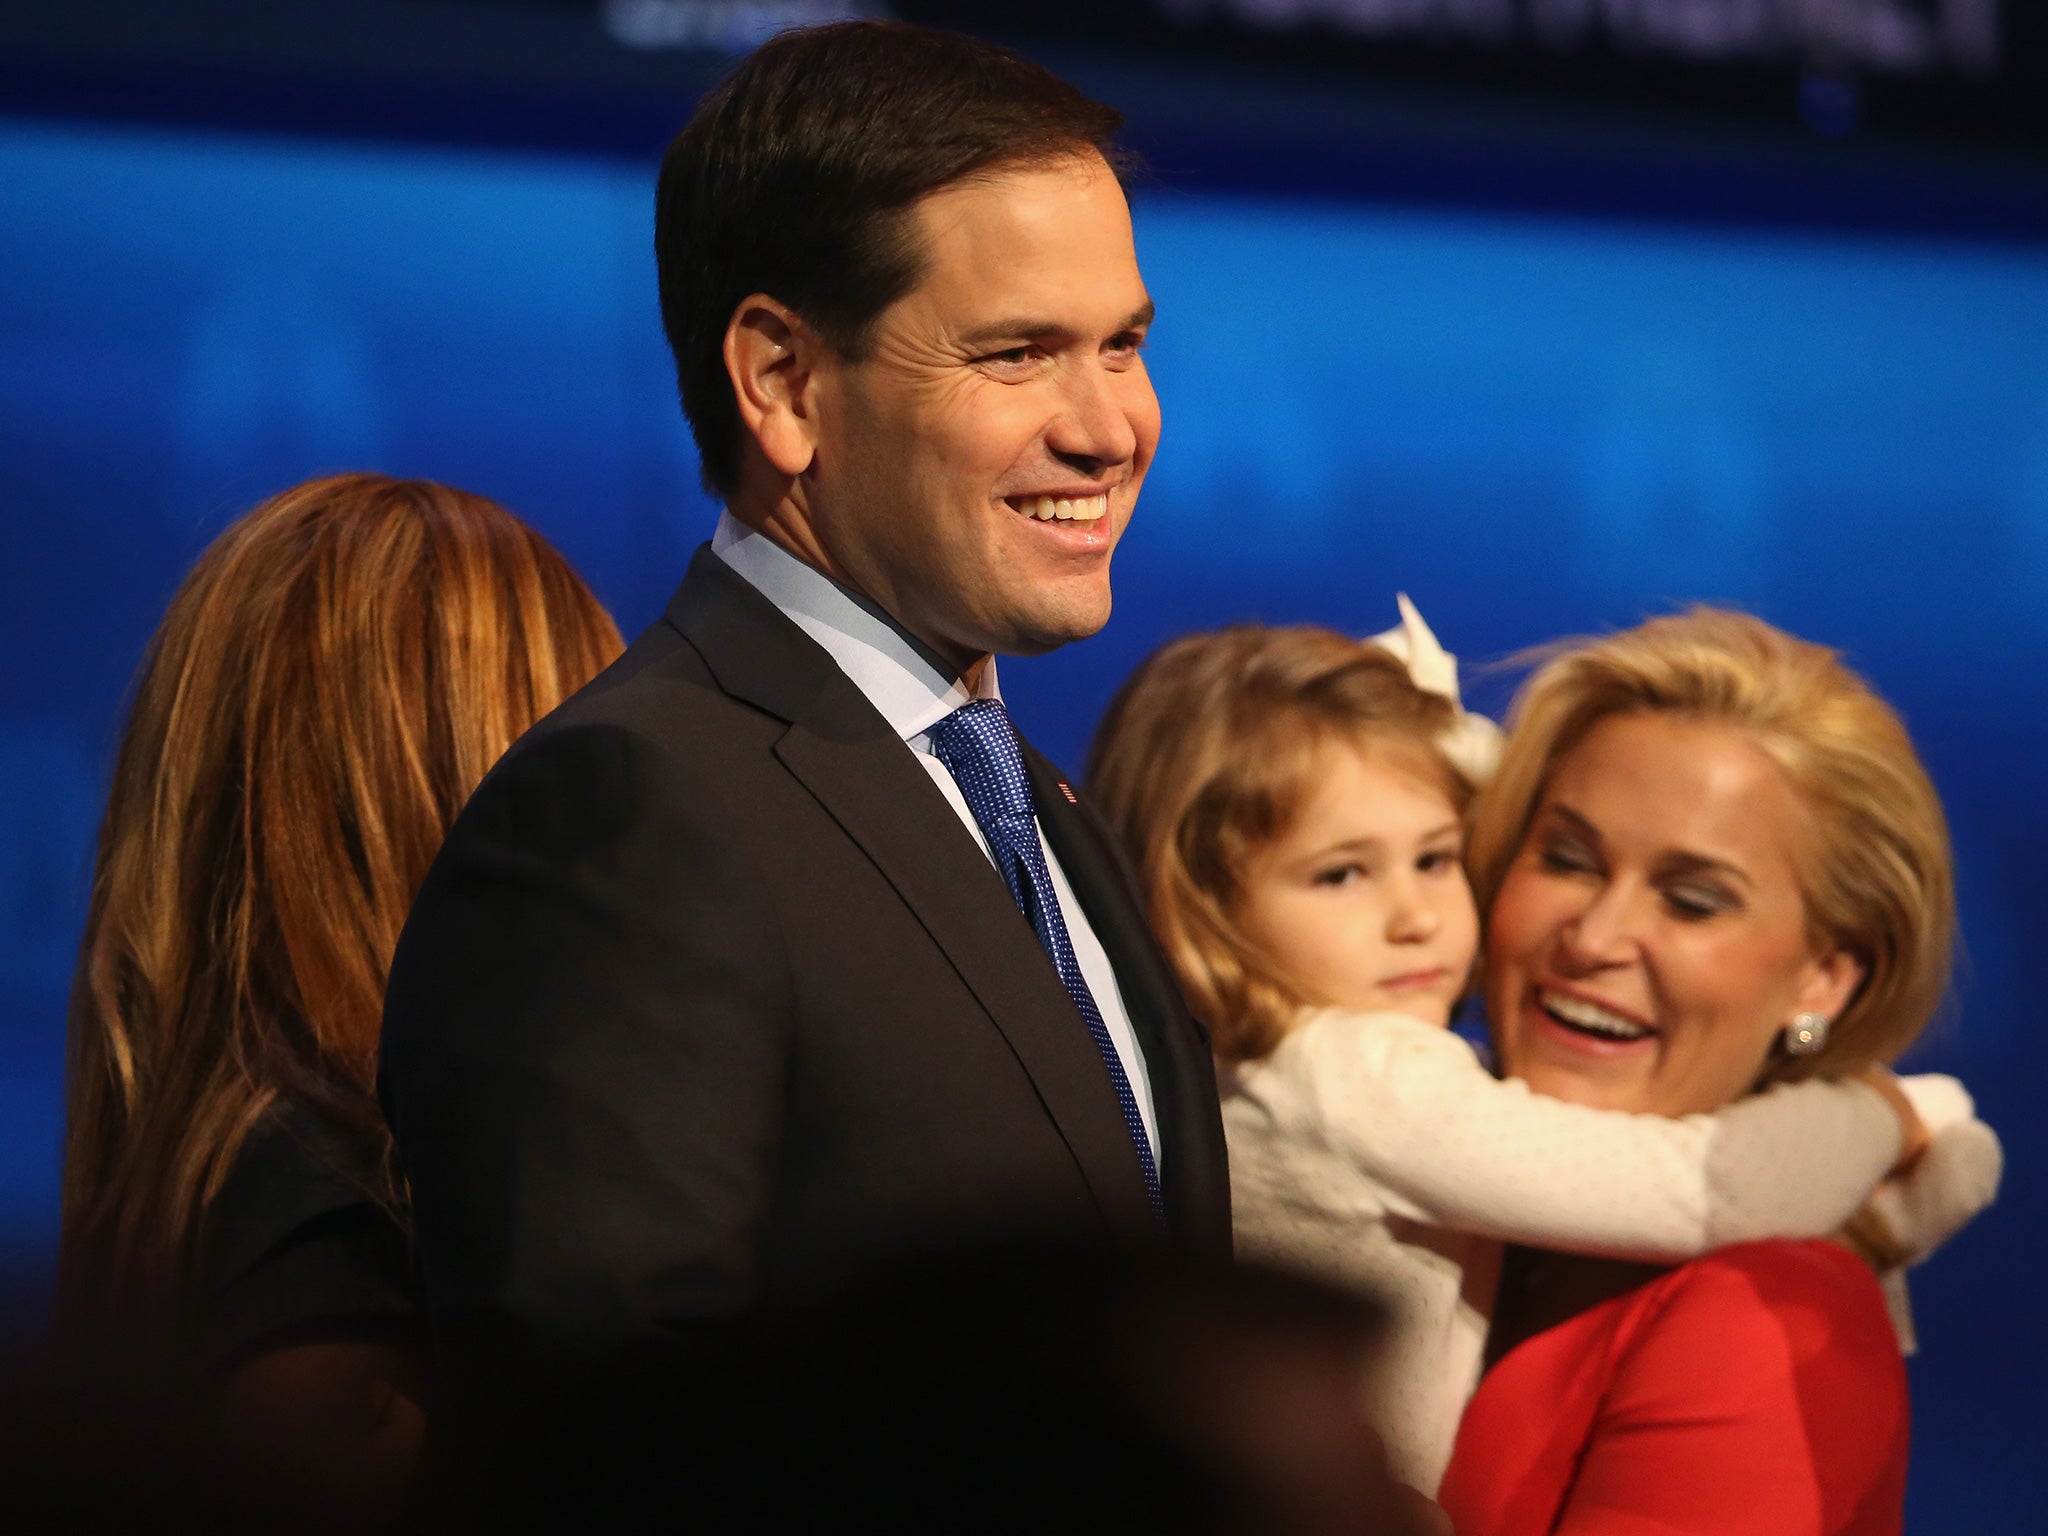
[(1755, 1392)]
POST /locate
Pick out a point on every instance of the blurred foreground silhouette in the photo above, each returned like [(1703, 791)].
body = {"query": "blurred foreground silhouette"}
[(1007, 1393)]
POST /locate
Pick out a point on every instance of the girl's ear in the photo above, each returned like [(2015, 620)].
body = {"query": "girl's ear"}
[(771, 356)]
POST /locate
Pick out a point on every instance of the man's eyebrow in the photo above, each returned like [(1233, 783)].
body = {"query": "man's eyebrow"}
[(1012, 330), (1025, 328)]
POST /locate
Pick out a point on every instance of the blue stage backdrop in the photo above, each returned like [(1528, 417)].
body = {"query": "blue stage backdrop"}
[(1534, 426)]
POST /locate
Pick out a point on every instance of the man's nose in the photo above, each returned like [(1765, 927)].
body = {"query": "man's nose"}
[(1096, 428)]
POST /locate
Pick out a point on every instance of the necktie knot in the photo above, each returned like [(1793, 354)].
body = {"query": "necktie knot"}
[(978, 745)]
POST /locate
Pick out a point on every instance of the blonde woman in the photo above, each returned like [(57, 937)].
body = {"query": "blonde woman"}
[(333, 677), (1711, 864)]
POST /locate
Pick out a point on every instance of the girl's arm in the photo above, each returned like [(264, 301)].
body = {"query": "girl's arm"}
[(1410, 1107), (1955, 1177)]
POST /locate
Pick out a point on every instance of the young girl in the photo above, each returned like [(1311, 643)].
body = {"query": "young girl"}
[(1294, 802)]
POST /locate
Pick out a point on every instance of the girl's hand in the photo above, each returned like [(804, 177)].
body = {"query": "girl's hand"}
[(1944, 1182), (1914, 1137)]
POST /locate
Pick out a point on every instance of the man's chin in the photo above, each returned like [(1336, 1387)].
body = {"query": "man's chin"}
[(1036, 633)]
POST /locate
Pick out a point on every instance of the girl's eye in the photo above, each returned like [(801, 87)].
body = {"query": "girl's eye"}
[(1338, 875), (1439, 861)]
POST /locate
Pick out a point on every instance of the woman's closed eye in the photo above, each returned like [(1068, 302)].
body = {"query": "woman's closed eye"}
[(1695, 901), (1567, 858)]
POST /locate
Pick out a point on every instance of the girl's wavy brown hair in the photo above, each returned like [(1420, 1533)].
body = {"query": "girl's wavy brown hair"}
[(1207, 753), (332, 679)]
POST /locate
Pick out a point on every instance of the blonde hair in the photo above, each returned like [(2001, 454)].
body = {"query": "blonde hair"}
[(333, 677), (1207, 753), (1879, 878)]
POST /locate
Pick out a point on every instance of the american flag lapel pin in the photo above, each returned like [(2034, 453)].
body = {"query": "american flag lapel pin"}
[(1068, 790)]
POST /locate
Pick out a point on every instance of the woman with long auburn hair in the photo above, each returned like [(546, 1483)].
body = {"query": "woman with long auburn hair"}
[(334, 676)]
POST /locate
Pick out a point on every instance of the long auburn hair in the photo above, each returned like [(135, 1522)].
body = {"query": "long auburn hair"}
[(332, 679), (1207, 752)]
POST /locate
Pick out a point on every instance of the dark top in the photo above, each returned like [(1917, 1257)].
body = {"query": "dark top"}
[(296, 1248), (710, 1002)]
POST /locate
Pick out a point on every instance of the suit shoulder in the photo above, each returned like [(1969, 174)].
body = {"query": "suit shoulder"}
[(658, 687), (653, 729), (623, 812)]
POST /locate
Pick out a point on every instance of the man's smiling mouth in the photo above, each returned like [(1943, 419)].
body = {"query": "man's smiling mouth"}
[(1065, 509)]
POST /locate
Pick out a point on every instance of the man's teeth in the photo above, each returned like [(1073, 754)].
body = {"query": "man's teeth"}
[(1592, 1017), (1084, 509)]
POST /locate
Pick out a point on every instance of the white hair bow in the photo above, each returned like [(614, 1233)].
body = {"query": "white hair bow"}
[(1473, 742)]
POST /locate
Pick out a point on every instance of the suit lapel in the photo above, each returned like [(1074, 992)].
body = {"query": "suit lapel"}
[(1176, 1050), (845, 754)]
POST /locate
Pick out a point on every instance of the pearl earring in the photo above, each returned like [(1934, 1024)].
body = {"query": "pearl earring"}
[(1806, 1034)]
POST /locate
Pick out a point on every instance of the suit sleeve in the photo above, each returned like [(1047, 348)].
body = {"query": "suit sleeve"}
[(1766, 1397), (1447, 1144), (583, 1064)]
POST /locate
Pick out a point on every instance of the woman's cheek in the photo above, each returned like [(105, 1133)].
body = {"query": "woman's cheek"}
[(1514, 915)]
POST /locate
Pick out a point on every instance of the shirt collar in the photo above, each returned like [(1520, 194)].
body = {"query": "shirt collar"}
[(899, 676)]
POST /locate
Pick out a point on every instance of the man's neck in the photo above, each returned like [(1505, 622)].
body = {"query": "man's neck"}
[(785, 525), (788, 529)]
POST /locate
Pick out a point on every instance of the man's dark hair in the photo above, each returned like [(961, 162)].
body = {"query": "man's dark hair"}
[(796, 175)]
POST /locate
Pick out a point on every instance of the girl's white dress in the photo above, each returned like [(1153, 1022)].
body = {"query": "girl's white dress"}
[(1375, 1151)]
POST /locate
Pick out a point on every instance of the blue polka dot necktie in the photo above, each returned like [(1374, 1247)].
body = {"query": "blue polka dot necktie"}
[(979, 748)]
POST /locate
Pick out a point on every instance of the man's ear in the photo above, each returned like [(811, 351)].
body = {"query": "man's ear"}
[(771, 357)]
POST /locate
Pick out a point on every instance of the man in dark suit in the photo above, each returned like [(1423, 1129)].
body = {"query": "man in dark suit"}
[(774, 958)]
